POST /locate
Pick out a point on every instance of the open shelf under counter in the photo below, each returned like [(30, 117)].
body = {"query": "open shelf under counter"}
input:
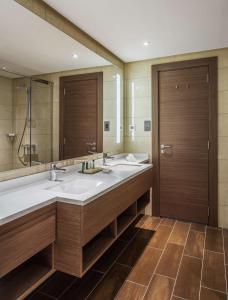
[(126, 218), (143, 201), (21, 281), (94, 249)]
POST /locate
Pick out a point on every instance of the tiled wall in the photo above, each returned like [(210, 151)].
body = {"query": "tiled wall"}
[(6, 96), (109, 106), (138, 91)]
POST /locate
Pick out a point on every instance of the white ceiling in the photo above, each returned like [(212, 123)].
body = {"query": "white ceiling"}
[(172, 26), (31, 46)]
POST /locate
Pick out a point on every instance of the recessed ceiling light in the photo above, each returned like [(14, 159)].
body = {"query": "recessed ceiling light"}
[(4, 68), (146, 43), (75, 56)]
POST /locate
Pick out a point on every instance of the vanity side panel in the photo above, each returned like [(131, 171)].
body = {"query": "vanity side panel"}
[(102, 211), (68, 251), (26, 236)]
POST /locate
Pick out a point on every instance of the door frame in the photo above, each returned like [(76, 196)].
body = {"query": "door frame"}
[(87, 76), (212, 64)]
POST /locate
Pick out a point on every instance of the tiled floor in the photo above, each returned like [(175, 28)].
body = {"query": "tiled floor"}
[(155, 259)]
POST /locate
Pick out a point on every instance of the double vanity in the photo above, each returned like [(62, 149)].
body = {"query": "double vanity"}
[(66, 225)]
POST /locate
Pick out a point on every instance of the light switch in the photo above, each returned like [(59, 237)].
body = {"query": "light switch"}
[(147, 125), (106, 125)]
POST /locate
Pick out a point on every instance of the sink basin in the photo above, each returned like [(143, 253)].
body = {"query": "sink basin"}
[(126, 167), (124, 170), (76, 187)]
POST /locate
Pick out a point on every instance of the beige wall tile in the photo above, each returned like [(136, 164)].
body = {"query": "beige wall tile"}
[(223, 171), (138, 88), (223, 194), (223, 148), (223, 79), (141, 107), (223, 219), (223, 125), (223, 102)]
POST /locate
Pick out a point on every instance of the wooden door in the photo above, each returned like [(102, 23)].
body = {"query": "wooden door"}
[(81, 115), (184, 142)]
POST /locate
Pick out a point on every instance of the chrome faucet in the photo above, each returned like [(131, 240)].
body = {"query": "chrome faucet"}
[(54, 171), (105, 157)]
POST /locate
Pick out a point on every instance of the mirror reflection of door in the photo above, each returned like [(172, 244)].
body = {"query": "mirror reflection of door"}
[(81, 115)]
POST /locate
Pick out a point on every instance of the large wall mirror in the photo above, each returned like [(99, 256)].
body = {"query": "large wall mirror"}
[(58, 99)]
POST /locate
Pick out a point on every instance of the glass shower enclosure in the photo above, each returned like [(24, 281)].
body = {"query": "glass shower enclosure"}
[(28, 134), (35, 135)]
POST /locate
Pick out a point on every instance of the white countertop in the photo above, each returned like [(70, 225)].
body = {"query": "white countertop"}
[(23, 195)]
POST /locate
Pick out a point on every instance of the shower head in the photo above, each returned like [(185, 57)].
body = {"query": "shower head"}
[(43, 81)]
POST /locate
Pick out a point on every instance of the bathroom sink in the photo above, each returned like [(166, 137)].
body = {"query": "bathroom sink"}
[(126, 167), (124, 170), (76, 187)]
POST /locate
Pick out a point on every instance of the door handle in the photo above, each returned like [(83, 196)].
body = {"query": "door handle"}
[(164, 147)]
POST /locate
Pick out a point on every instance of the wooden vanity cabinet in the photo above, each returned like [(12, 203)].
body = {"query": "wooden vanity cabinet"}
[(26, 252), (26, 236), (66, 237), (84, 233)]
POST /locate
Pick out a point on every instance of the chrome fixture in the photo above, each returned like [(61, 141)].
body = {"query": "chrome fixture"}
[(105, 157), (164, 147), (11, 136), (54, 171)]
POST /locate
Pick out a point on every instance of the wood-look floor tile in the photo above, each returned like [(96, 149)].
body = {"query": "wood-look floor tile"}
[(207, 294), (188, 280), (179, 233), (157, 239), (151, 223), (142, 271), (198, 227), (56, 284), (195, 244), (170, 260), (176, 298), (110, 256), (146, 234), (129, 233), (82, 287), (131, 291), (110, 285), (214, 240), (160, 288), (168, 222), (214, 271), (132, 253)]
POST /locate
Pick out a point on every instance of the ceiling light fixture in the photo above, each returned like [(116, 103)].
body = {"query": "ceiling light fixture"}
[(75, 56), (146, 43)]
